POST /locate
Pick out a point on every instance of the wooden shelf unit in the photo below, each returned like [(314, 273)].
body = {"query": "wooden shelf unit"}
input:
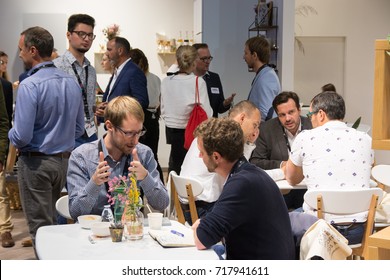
[(381, 112)]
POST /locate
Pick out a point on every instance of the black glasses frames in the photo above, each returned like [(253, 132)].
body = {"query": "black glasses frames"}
[(84, 35), (131, 134), (206, 58)]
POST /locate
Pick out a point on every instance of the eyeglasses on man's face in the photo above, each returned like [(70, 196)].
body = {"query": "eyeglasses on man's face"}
[(131, 134), (3, 62), (84, 35), (206, 58), (310, 114)]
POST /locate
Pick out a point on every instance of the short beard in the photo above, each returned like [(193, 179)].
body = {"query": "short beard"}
[(212, 166), (82, 50)]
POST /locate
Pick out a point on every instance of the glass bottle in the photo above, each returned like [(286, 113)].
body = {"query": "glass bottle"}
[(186, 41), (107, 215), (179, 40)]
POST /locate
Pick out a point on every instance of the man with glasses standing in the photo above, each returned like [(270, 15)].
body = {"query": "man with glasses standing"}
[(92, 165), (73, 61), (214, 86)]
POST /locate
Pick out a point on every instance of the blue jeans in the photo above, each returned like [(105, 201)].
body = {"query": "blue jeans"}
[(353, 233), (202, 211)]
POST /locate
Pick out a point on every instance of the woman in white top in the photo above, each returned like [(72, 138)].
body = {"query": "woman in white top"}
[(177, 102)]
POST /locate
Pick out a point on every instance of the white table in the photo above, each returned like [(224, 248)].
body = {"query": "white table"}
[(284, 185), (70, 242)]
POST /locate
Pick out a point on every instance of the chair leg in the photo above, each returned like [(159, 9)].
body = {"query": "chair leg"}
[(179, 210), (191, 202)]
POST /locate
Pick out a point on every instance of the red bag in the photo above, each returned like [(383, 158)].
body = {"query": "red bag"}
[(197, 116)]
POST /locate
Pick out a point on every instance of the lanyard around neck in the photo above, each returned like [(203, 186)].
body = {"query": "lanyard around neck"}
[(83, 89), (41, 67)]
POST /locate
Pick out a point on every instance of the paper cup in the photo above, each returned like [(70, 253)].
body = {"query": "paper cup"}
[(155, 220)]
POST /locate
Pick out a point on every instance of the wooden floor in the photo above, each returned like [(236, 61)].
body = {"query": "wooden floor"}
[(19, 233)]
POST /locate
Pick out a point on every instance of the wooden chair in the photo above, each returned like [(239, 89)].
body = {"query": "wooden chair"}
[(187, 188), (62, 207), (381, 174), (347, 202)]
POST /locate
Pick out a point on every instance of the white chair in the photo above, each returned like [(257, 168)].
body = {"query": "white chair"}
[(187, 188), (62, 207), (329, 203), (381, 174)]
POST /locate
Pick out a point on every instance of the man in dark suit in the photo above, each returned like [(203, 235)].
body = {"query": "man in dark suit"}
[(276, 137), (214, 86), (128, 78)]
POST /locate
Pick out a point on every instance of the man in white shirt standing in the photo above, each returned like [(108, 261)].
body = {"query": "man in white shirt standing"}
[(331, 155)]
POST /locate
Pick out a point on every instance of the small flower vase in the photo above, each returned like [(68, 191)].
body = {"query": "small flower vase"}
[(118, 211), (116, 234), (133, 220)]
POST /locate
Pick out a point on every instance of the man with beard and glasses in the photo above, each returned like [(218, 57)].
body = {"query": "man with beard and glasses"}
[(73, 61), (117, 153)]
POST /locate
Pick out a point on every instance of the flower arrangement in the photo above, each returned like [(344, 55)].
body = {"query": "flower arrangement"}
[(125, 196), (111, 31)]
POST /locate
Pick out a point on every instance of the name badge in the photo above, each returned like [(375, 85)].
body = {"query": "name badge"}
[(215, 90), (90, 127)]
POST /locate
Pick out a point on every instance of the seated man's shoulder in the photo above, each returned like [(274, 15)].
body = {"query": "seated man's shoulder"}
[(143, 150), (269, 125), (86, 149), (306, 123)]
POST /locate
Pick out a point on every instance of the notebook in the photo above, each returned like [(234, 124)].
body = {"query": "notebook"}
[(173, 237)]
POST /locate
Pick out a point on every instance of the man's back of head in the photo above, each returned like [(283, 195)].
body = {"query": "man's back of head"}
[(330, 103)]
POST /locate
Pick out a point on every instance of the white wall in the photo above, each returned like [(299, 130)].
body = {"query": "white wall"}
[(139, 22), (225, 29), (361, 22)]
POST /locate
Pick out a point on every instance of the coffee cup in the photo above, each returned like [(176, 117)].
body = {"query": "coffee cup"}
[(155, 220)]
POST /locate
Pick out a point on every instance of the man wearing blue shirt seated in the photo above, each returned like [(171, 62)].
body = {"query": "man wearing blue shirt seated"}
[(93, 164)]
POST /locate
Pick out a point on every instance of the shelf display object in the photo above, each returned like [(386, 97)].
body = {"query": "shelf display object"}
[(265, 24), (381, 110)]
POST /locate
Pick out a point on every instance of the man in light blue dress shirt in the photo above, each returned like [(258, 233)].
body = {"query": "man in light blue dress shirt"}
[(48, 118)]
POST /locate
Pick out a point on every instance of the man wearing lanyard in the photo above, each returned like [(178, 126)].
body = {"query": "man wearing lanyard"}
[(48, 116), (265, 85), (118, 152), (277, 136), (73, 61)]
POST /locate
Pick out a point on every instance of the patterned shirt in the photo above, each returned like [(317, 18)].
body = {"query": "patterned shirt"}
[(65, 62), (85, 197), (334, 156)]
